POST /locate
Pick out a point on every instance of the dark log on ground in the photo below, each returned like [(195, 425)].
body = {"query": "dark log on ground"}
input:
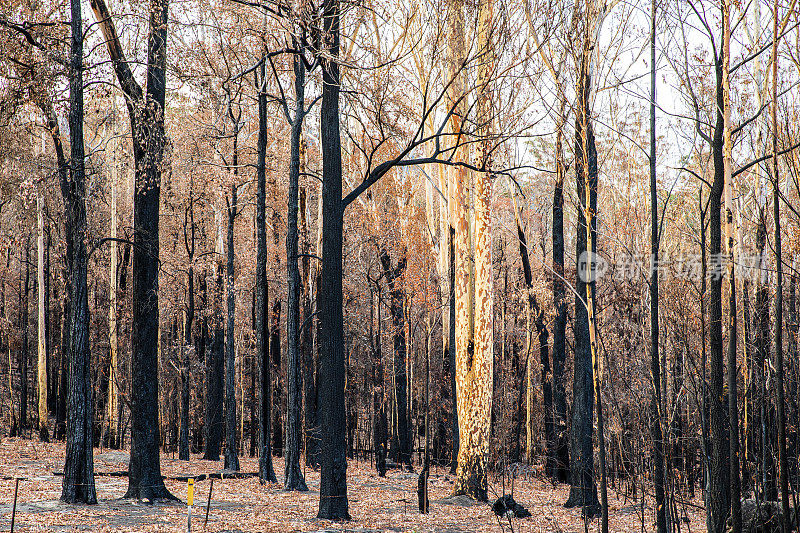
[(198, 477)]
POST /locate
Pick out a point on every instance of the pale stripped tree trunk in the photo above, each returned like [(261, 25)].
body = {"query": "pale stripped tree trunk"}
[(458, 239), (733, 409), (41, 369), (474, 371), (112, 401)]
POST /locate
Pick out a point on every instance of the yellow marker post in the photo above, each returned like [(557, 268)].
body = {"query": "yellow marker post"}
[(191, 502)]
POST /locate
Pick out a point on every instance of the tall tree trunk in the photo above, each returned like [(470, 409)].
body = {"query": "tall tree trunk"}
[(422, 481), (783, 469), (66, 330), (306, 335), (275, 361), (293, 476), (333, 476), (583, 492), (146, 114), (189, 243), (458, 238), (379, 424), (266, 472), (719, 474), (78, 482), (183, 440), (591, 238), (59, 381), (41, 286), (747, 399), (112, 401), (49, 321), (733, 408), (231, 449), (655, 366), (215, 363), (535, 316), (560, 459), (474, 370), (393, 276), (24, 350), (451, 334)]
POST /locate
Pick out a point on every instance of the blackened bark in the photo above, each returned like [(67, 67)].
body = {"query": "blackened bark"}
[(719, 494), (333, 476), (215, 364), (146, 114), (783, 464), (275, 361), (583, 492), (379, 423), (253, 369), (78, 483), (231, 449), (747, 394), (189, 233), (397, 311), (63, 372), (60, 429), (451, 349), (24, 355), (547, 390), (266, 473), (656, 427), (791, 348), (307, 345), (560, 459), (293, 476)]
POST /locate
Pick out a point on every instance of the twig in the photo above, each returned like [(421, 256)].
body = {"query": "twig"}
[(208, 504), (14, 507)]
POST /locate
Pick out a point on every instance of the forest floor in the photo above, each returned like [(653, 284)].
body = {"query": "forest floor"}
[(243, 505)]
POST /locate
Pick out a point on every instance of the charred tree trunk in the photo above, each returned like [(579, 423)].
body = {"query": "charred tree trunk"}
[(583, 492), (655, 361), (293, 476), (78, 483), (783, 468), (24, 349), (397, 311), (231, 449), (719, 473), (215, 364), (189, 242), (333, 503), (275, 358), (266, 472), (560, 459), (146, 114), (379, 423), (307, 342), (451, 350)]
